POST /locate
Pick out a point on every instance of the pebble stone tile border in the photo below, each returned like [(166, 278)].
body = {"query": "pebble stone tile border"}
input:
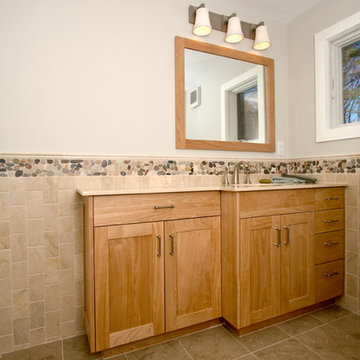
[(42, 166)]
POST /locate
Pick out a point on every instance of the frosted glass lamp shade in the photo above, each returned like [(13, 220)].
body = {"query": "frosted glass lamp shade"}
[(234, 33), (262, 40), (202, 26)]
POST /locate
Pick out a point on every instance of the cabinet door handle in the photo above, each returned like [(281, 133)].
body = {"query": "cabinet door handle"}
[(331, 244), (287, 228), (171, 236), (278, 244), (326, 221), (157, 207), (332, 274), (159, 245), (331, 198)]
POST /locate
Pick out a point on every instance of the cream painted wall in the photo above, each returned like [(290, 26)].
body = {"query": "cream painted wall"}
[(97, 77), (302, 79)]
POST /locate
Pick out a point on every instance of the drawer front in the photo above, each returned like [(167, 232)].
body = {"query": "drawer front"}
[(329, 220), (329, 246), (127, 209), (329, 198), (329, 280), (275, 202)]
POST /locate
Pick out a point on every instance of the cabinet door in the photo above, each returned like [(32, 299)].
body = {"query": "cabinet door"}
[(129, 283), (193, 273), (260, 269), (297, 261)]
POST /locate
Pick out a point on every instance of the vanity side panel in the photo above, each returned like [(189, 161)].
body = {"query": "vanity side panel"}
[(276, 202), (230, 257), (89, 295)]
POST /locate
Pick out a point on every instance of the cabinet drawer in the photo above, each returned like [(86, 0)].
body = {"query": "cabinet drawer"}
[(329, 280), (126, 209), (329, 198), (329, 246), (275, 202), (329, 220)]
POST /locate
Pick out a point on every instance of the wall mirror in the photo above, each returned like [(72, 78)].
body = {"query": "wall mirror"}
[(224, 98)]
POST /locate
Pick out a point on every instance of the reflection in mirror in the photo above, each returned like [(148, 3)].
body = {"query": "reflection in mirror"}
[(225, 98)]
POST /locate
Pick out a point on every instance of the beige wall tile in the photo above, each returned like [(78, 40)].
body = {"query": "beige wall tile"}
[(66, 229), (79, 292), (51, 217), (351, 263), (37, 336), (5, 293), (67, 282), (19, 275), (5, 321), (33, 184), (352, 240), (36, 257), (65, 183), (35, 207), (6, 344), (67, 329), (35, 228), (78, 241), (352, 217), (51, 242), (66, 256), (4, 264), (17, 219), (79, 266), (78, 215), (4, 235), (18, 247), (79, 318), (50, 190), (20, 304), (52, 324), (37, 315), (352, 195), (36, 287), (21, 331), (66, 198), (52, 298), (352, 285), (51, 271), (352, 303), (67, 308), (17, 192), (4, 206), (4, 184)]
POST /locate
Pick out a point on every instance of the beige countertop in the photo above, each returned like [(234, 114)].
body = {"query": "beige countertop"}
[(96, 191)]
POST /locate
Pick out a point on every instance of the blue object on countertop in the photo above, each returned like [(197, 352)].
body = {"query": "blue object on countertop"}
[(287, 181)]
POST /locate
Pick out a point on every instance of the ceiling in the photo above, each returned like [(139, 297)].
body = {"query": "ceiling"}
[(281, 10)]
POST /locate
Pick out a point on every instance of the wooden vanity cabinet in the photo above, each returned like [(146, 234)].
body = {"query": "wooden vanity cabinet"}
[(150, 277), (270, 253)]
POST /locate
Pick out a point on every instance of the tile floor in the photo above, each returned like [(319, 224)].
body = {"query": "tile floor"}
[(332, 334)]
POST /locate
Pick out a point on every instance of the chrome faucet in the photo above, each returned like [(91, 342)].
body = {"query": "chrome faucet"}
[(239, 166)]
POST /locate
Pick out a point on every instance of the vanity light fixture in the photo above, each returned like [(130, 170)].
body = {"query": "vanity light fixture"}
[(234, 33), (202, 26), (262, 40), (204, 21)]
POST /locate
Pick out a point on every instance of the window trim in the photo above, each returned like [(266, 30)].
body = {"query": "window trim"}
[(328, 80)]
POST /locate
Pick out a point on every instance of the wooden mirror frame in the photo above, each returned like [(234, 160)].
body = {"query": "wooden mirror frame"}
[(181, 142)]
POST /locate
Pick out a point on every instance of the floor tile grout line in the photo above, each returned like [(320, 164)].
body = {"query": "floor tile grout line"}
[(183, 347), (236, 338)]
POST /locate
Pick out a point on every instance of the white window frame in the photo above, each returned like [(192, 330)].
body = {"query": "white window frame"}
[(247, 80), (329, 81)]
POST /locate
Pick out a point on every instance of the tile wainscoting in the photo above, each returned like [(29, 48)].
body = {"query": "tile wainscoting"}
[(41, 250)]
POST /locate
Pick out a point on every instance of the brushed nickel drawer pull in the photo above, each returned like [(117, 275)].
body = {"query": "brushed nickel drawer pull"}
[(331, 221), (331, 198), (159, 245), (332, 274), (278, 244), (171, 236), (156, 207), (287, 228), (331, 244)]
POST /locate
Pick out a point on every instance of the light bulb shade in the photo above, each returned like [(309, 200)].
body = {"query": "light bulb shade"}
[(262, 40), (202, 26), (234, 33)]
